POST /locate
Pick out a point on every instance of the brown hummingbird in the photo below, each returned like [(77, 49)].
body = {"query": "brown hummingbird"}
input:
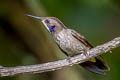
[(72, 43)]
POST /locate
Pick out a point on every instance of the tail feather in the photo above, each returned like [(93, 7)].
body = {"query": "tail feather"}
[(98, 67)]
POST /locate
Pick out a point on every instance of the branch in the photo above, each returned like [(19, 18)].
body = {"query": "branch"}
[(51, 66)]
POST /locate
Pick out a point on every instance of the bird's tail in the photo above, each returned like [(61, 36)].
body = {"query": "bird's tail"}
[(98, 66)]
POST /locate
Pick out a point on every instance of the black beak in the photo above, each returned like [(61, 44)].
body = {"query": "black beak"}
[(36, 17)]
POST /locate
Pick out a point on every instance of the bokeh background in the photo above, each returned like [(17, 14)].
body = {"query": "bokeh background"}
[(25, 41)]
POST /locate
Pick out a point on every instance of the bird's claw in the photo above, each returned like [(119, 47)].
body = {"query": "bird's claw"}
[(69, 60), (86, 53)]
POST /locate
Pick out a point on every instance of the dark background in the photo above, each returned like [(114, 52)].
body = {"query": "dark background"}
[(25, 41)]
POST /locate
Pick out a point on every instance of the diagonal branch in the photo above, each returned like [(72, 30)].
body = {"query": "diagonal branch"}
[(51, 66)]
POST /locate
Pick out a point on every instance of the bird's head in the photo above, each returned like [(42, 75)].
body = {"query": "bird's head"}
[(52, 24)]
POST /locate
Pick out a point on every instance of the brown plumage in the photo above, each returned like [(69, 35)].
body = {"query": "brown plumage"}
[(72, 43)]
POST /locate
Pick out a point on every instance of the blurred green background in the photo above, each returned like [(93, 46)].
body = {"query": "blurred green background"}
[(25, 41)]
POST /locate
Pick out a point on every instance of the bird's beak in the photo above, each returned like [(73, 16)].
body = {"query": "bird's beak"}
[(36, 17), (41, 19)]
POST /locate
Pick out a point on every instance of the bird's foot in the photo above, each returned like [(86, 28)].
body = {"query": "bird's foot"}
[(86, 53), (69, 60)]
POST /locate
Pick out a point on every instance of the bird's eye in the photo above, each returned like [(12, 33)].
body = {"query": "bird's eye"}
[(47, 21), (52, 28)]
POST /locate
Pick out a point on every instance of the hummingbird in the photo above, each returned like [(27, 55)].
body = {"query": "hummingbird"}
[(72, 43)]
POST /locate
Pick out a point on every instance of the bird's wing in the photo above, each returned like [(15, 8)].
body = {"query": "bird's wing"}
[(94, 64), (81, 38), (84, 41)]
